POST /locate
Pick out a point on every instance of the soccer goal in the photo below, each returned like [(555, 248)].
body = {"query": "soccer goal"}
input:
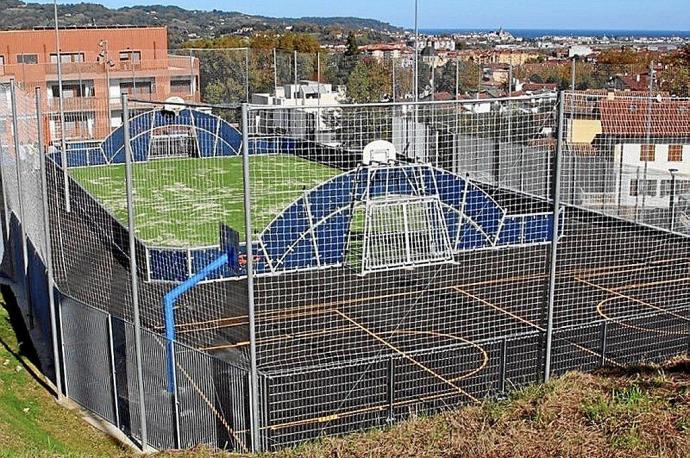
[(398, 232), (173, 142)]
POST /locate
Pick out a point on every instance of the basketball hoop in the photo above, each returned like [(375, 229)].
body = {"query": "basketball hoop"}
[(174, 105), (379, 151)]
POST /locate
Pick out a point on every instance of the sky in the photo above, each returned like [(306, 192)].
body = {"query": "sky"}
[(524, 14)]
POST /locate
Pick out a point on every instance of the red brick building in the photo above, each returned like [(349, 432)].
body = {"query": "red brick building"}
[(98, 65)]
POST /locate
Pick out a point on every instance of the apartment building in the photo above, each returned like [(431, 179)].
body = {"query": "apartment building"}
[(98, 65)]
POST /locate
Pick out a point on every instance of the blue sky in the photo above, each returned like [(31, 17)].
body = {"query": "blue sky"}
[(540, 14)]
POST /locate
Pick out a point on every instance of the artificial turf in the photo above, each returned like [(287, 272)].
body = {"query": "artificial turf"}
[(181, 202)]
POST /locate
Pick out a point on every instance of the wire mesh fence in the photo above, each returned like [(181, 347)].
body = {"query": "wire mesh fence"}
[(326, 267)]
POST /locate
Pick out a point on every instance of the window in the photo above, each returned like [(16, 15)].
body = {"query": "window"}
[(643, 188), (68, 58), (2, 60), (682, 187), (71, 90), (27, 58), (180, 86), (675, 153), (130, 56), (139, 87), (647, 153)]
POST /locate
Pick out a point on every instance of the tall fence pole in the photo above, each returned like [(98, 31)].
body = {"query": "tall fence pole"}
[(573, 74), (254, 380), (61, 104), (20, 187), (133, 271), (295, 65), (48, 248), (554, 240), (393, 79), (246, 74), (648, 138), (275, 72)]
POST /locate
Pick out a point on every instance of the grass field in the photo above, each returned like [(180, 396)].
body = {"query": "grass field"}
[(181, 202)]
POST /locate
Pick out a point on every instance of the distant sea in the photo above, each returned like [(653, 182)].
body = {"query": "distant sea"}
[(536, 33)]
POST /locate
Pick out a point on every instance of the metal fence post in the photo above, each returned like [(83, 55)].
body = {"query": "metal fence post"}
[(246, 74), (604, 336), (113, 372), (48, 247), (20, 186), (4, 197), (502, 367), (554, 240), (133, 271), (391, 389), (255, 425)]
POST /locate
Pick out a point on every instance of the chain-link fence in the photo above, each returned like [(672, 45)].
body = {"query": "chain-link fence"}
[(253, 278)]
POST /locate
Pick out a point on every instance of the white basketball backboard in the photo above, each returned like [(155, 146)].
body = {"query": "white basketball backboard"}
[(379, 151)]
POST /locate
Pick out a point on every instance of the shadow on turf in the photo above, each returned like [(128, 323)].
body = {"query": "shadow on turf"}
[(26, 350)]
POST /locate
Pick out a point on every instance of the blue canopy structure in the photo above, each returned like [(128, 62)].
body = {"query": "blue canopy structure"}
[(212, 136)]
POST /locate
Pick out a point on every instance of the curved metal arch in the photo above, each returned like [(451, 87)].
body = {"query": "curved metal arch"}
[(303, 238), (226, 139)]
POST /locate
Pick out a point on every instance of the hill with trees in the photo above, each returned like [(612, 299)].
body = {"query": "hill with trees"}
[(182, 24)]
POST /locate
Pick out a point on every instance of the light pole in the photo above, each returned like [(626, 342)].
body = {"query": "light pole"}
[(103, 44), (672, 203)]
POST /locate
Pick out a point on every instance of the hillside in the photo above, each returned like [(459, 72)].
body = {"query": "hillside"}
[(31, 422), (182, 23)]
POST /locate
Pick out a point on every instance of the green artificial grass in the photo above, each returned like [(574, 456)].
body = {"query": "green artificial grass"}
[(181, 202)]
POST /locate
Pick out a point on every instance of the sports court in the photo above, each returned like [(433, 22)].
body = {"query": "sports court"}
[(388, 290)]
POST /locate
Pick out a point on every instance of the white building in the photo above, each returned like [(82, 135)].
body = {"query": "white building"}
[(315, 120), (579, 51), (649, 143)]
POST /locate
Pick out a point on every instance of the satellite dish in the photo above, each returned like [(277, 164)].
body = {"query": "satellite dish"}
[(379, 151), (174, 104)]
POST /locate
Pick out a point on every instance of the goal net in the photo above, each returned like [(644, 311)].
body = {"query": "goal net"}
[(173, 142), (399, 232)]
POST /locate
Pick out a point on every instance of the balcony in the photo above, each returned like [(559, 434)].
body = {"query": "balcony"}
[(38, 72)]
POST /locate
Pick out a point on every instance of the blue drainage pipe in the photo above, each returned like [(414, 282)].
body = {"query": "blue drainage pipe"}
[(169, 313)]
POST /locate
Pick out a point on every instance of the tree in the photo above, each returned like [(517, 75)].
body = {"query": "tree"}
[(370, 81), (468, 77), (352, 48)]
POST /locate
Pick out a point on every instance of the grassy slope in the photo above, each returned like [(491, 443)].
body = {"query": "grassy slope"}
[(614, 413), (31, 422), (180, 202), (642, 412)]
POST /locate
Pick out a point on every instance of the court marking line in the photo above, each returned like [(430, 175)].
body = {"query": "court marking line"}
[(284, 337), (645, 285), (212, 406), (406, 356), (600, 311), (633, 299), (573, 273), (349, 413), (534, 325)]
